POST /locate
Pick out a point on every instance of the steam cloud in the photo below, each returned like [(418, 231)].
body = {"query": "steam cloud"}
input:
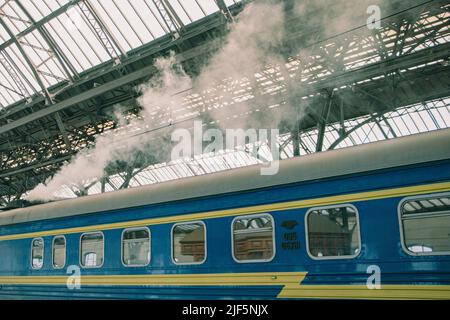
[(254, 43)]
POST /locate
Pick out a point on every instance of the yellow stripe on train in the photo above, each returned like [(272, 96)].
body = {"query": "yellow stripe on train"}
[(196, 279), (397, 292), (291, 282), (354, 197)]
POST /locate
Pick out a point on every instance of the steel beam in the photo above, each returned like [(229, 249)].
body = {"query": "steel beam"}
[(101, 30), (57, 52), (40, 23), (335, 81), (84, 96), (27, 60)]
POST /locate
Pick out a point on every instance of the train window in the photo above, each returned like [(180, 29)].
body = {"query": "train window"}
[(189, 243), (425, 224), (333, 232), (253, 238), (37, 253), (136, 247), (92, 250), (59, 252)]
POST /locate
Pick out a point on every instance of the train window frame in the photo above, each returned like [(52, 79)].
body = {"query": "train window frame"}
[(273, 239), (346, 257), (149, 245), (80, 251), (43, 253), (400, 225), (172, 243), (53, 251)]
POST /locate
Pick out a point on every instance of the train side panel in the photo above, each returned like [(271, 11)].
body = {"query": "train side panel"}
[(292, 273)]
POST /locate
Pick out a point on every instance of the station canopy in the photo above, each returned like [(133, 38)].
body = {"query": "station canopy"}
[(49, 42)]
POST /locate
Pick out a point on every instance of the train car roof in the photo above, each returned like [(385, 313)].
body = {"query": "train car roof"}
[(419, 148)]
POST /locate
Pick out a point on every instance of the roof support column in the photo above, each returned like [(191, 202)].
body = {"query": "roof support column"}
[(62, 128), (224, 9), (323, 122)]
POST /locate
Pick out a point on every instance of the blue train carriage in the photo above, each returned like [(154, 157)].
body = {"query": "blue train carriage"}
[(371, 221)]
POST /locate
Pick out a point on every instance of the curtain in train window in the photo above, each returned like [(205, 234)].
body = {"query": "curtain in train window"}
[(37, 253), (188, 243), (136, 247), (92, 245), (59, 252), (253, 238), (426, 225), (333, 232)]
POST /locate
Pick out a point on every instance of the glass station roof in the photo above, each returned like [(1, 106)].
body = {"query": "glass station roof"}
[(31, 32), (46, 42)]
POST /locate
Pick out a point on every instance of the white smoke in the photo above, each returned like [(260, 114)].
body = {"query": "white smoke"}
[(90, 163), (252, 45)]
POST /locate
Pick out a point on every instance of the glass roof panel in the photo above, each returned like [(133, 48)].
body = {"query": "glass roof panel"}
[(132, 23)]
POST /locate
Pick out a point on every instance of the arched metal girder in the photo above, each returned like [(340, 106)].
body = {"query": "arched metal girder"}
[(346, 134)]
